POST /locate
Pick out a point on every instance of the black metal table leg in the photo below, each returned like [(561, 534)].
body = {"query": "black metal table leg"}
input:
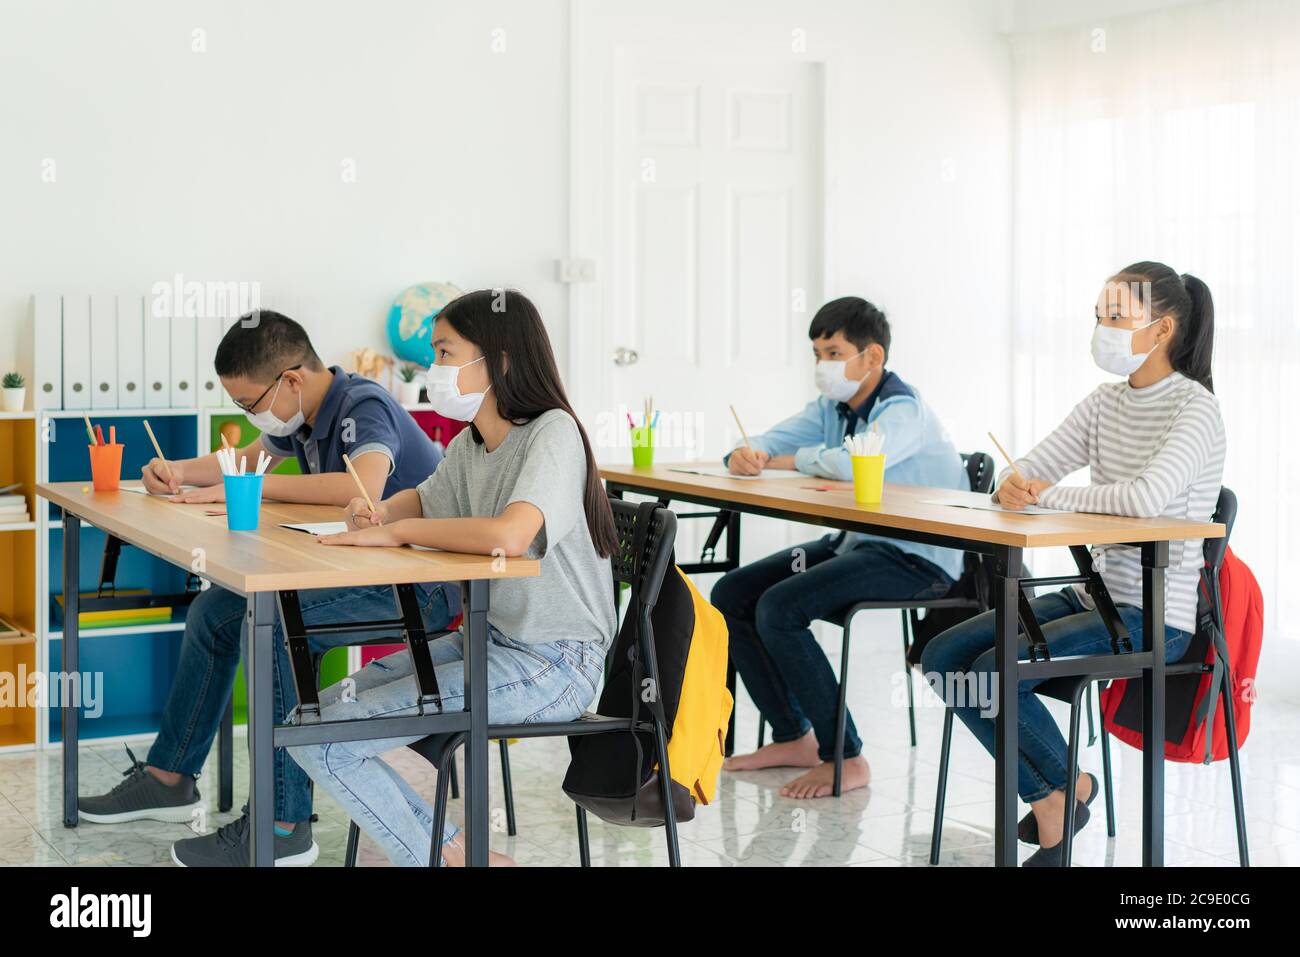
[(70, 711), (1006, 598), (476, 749), (1155, 559), (261, 729)]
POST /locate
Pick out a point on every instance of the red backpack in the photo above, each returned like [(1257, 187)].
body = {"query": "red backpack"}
[(1192, 701)]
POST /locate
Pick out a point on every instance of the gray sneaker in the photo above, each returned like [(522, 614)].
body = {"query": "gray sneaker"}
[(227, 846), (142, 797)]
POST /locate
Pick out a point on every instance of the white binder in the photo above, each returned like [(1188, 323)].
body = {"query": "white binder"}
[(47, 334), (184, 390), (157, 359), (76, 352), (103, 352), (208, 335), (130, 352)]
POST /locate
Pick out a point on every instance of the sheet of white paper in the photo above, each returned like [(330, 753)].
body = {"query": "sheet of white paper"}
[(141, 490), (984, 503), (720, 471), (319, 528)]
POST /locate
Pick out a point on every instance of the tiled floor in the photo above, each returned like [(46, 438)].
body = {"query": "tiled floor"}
[(888, 824)]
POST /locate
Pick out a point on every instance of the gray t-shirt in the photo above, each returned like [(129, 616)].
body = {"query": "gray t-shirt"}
[(541, 462)]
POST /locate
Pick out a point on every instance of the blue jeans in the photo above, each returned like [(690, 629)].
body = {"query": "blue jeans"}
[(215, 632), (967, 651), (526, 684), (769, 606)]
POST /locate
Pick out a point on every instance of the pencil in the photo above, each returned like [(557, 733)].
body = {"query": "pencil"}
[(357, 478), (157, 448), (744, 435), (1010, 460), (90, 432)]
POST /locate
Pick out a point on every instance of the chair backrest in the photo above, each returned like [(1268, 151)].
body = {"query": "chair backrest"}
[(979, 468), (1225, 513), (656, 554)]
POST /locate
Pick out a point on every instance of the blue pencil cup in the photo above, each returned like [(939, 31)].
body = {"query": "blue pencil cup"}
[(243, 502)]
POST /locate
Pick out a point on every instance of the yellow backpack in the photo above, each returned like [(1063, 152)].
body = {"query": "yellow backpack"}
[(616, 776)]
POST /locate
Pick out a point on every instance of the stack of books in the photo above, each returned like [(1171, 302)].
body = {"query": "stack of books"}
[(13, 510), (122, 617)]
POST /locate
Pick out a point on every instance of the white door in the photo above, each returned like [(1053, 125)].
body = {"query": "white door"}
[(708, 211)]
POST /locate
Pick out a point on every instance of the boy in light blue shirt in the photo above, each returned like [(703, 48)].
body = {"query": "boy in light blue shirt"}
[(770, 604)]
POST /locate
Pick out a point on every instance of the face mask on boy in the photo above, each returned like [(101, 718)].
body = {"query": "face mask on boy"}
[(1112, 349), (832, 382), (272, 424)]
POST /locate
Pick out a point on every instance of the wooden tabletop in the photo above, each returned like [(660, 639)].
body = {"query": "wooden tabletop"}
[(271, 558), (904, 507)]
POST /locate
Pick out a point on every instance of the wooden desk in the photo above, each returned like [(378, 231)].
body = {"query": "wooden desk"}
[(270, 566), (1002, 536)]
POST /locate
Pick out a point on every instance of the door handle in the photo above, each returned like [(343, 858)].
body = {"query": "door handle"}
[(624, 356)]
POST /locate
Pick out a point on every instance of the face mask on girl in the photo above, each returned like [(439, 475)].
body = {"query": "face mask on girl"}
[(831, 381), (272, 424), (1112, 349), (445, 395)]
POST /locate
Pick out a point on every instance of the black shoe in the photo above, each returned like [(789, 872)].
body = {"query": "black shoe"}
[(142, 797), (1028, 830), (227, 846), (1051, 856)]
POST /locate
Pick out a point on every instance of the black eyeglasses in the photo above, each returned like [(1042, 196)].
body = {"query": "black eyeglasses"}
[(253, 405)]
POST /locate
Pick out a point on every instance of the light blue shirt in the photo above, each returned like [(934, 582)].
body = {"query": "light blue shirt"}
[(917, 450)]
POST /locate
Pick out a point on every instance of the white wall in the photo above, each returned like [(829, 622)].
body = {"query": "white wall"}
[(225, 165)]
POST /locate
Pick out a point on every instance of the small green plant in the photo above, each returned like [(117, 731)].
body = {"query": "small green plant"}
[(407, 373), (14, 380)]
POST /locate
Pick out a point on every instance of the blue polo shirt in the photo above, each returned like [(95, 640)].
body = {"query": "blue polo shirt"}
[(359, 416)]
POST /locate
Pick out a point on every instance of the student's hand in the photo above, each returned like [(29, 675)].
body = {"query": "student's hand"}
[(1015, 492), (746, 461), (201, 496), (359, 515), (155, 473), (376, 535)]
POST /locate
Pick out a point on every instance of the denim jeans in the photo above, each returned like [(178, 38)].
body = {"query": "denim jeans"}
[(526, 684), (1069, 629), (215, 633), (769, 606)]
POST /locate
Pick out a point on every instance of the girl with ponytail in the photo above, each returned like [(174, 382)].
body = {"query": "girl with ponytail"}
[(1154, 445), (520, 481)]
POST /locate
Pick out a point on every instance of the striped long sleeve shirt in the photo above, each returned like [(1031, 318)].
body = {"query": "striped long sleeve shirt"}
[(1152, 452)]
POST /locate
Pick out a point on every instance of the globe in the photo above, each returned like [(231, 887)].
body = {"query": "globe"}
[(410, 320)]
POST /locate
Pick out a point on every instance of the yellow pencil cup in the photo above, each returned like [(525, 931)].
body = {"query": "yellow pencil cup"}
[(868, 479)]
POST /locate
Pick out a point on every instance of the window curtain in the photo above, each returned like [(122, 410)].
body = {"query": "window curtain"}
[(1172, 136)]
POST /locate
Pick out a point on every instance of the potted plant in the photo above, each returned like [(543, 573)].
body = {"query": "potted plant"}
[(15, 391), (408, 388)]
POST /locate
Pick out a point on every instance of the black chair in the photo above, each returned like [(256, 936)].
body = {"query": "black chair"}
[(979, 468), (1071, 688), (654, 563)]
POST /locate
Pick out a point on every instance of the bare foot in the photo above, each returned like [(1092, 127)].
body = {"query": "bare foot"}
[(820, 781), (786, 754), (453, 855)]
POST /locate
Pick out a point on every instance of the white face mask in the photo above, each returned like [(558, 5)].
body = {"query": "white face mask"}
[(445, 395), (1112, 349), (831, 381), (272, 424)]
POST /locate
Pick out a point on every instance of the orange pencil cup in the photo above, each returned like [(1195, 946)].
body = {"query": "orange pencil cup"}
[(106, 467), (868, 479)]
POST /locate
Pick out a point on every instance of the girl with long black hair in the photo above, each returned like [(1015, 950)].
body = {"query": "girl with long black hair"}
[(520, 481)]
